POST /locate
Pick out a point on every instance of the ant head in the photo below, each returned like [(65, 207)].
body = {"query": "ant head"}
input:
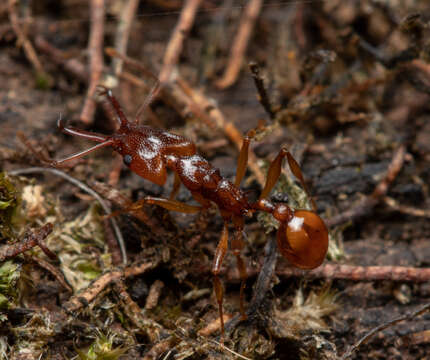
[(303, 240)]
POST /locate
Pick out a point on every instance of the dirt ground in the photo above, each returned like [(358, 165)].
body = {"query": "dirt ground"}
[(344, 85)]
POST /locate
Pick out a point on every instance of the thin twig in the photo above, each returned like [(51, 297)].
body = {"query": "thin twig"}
[(95, 51), (22, 38), (122, 34), (408, 210), (359, 273), (382, 327), (179, 34), (154, 294), (87, 189), (263, 98), (30, 240), (152, 329), (240, 44), (57, 56), (84, 297), (365, 206), (53, 270), (158, 349)]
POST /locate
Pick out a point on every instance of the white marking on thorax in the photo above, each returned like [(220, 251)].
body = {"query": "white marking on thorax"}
[(190, 167), (150, 148)]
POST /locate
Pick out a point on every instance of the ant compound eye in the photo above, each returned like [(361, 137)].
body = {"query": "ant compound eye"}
[(127, 159)]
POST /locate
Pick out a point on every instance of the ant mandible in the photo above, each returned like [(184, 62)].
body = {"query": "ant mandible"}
[(302, 236)]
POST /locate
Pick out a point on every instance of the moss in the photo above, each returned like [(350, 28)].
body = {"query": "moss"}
[(8, 204), (102, 349), (9, 275)]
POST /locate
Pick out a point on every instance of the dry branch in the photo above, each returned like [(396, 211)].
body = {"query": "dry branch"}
[(30, 240), (95, 51), (84, 297), (174, 47), (240, 43), (360, 273)]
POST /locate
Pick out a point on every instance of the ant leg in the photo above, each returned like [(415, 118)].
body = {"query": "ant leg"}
[(237, 244), (176, 186), (297, 171), (275, 171), (220, 252), (168, 204), (172, 205), (242, 161)]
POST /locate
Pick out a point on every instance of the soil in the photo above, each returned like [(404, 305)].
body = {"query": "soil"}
[(349, 87)]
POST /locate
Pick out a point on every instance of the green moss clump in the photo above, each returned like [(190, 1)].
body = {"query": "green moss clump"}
[(9, 275), (102, 349), (8, 204)]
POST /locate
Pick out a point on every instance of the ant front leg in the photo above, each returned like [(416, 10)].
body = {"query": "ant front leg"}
[(167, 204)]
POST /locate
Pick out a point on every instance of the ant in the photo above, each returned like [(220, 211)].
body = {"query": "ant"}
[(302, 236)]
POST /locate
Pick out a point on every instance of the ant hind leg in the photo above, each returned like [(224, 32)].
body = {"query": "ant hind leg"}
[(237, 244), (220, 253)]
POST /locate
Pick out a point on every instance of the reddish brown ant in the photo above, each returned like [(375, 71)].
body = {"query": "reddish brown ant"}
[(302, 236)]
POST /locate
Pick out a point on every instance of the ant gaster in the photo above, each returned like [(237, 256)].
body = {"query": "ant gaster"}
[(302, 236)]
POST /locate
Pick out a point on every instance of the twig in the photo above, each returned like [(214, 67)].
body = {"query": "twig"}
[(263, 98), (22, 38), (132, 310), (122, 35), (382, 327), (174, 47), (53, 270), (364, 207), (154, 294), (359, 273), (240, 43), (82, 186), (30, 240), (173, 51), (215, 325), (408, 210), (95, 51), (87, 295), (158, 349), (72, 66), (112, 243)]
